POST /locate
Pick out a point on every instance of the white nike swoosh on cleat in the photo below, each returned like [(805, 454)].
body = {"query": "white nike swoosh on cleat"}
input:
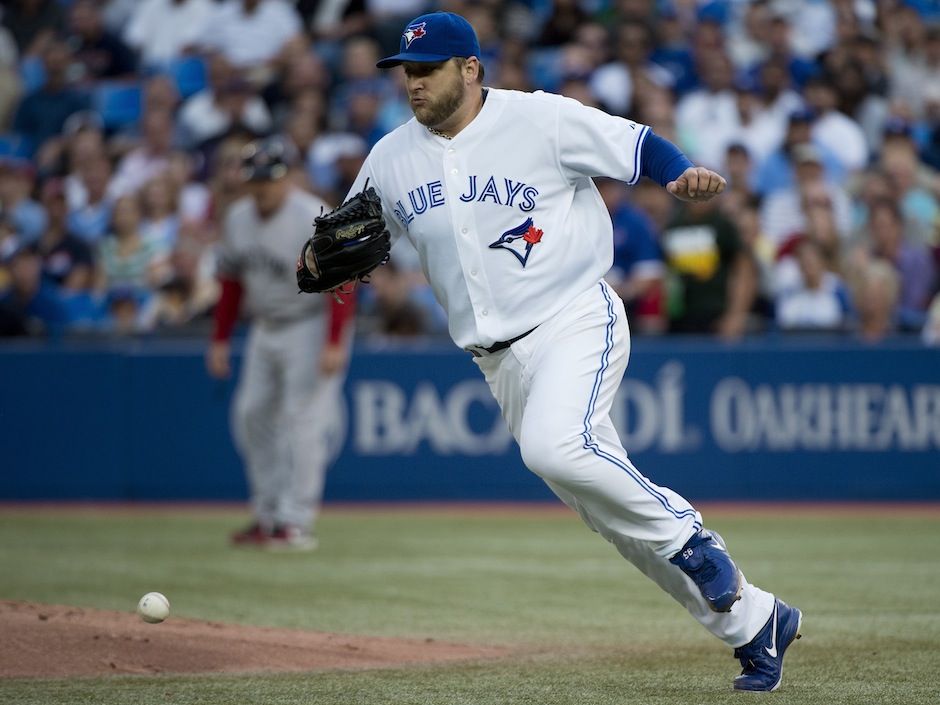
[(772, 651)]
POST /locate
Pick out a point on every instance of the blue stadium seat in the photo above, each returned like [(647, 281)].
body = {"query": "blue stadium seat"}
[(189, 73), (119, 104)]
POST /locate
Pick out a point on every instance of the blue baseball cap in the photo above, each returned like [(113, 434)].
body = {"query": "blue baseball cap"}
[(434, 37)]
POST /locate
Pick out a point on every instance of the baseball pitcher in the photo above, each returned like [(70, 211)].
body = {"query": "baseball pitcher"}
[(494, 189)]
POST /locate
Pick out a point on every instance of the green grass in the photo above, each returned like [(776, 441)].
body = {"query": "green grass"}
[(589, 628)]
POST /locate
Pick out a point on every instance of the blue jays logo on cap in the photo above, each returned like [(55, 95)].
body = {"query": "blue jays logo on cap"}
[(527, 233), (414, 31), (443, 36)]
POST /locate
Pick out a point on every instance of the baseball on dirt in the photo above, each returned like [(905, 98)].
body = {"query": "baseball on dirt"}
[(153, 607)]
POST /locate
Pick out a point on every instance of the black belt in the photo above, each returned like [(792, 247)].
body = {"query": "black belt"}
[(496, 347)]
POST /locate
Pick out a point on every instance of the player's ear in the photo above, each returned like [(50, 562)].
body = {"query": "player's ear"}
[(470, 68)]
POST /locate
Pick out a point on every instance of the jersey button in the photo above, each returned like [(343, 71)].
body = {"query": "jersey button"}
[(453, 171), (484, 312), (463, 230), (473, 272)]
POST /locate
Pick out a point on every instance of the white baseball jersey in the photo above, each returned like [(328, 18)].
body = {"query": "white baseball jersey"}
[(262, 255), (505, 218)]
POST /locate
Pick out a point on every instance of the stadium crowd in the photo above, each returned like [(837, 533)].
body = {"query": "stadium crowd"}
[(122, 123)]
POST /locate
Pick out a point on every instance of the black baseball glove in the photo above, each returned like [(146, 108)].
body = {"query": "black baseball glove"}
[(348, 243)]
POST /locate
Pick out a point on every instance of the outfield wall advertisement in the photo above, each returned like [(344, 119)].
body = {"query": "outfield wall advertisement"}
[(765, 421), (715, 422), (741, 416)]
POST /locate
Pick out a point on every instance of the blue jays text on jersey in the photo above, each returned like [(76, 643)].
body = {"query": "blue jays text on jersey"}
[(502, 191)]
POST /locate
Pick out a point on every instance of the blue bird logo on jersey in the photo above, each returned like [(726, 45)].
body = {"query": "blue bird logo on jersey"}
[(414, 31), (519, 241)]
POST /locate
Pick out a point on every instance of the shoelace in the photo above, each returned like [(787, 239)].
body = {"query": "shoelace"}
[(746, 662)]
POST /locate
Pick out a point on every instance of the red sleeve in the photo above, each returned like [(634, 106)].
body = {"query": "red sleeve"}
[(226, 310), (341, 316)]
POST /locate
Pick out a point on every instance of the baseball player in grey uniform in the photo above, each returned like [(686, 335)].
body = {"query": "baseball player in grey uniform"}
[(287, 415), (493, 188)]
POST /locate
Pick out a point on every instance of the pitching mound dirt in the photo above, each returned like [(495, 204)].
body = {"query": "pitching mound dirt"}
[(56, 641)]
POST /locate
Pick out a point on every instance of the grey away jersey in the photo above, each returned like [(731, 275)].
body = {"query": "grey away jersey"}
[(262, 255)]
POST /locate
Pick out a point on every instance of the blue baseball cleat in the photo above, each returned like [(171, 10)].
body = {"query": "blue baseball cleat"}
[(705, 560), (762, 658)]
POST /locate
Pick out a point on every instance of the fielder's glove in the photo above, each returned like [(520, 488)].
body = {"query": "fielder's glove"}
[(347, 244)]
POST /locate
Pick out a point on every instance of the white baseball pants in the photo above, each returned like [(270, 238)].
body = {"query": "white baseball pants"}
[(288, 420), (555, 388)]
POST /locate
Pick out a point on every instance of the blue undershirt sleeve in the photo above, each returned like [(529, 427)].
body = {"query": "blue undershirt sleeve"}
[(661, 160)]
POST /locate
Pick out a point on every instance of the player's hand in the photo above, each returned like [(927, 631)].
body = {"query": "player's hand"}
[(219, 359), (697, 184), (333, 358)]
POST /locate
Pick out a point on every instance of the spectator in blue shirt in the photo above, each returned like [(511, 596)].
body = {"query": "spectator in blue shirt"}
[(42, 114), (778, 172), (90, 221), (31, 302), (67, 261), (638, 271), (800, 69), (26, 217), (673, 53)]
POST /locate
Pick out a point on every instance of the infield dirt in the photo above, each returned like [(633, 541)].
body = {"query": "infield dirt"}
[(54, 641)]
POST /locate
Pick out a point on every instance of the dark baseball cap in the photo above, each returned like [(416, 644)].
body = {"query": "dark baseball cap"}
[(267, 159), (434, 37), (802, 114)]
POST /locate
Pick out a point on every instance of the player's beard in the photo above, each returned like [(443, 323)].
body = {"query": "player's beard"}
[(436, 111)]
